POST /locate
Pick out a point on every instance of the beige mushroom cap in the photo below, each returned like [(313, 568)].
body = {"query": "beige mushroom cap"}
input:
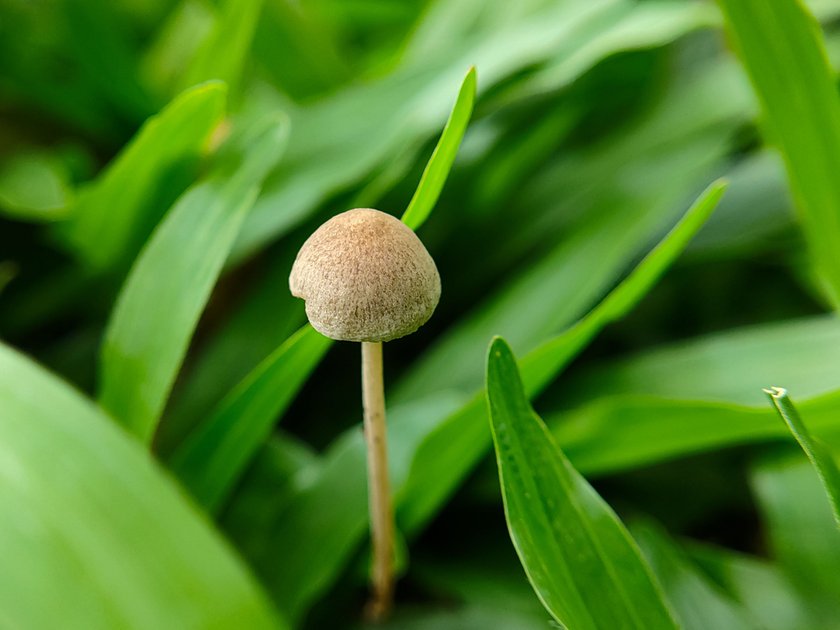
[(365, 276)]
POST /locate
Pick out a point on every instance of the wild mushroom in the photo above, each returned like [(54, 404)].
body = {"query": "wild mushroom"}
[(365, 276)]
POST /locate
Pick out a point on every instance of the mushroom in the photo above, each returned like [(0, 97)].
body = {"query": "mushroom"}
[(365, 276)]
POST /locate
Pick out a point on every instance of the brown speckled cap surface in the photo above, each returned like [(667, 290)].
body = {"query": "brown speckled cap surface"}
[(365, 276)]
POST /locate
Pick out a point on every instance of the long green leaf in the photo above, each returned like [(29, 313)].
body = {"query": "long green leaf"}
[(730, 366), (404, 107), (817, 452), (97, 535), (622, 432), (783, 50), (699, 603), (801, 531), (263, 318), (212, 458), (550, 295), (170, 283), (437, 170), (459, 441), (223, 52), (580, 559), (113, 216), (757, 584)]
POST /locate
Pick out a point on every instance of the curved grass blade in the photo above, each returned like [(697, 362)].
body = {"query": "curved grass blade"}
[(580, 559), (224, 50), (816, 451), (618, 433), (757, 584), (92, 533), (165, 293), (459, 441), (112, 216), (782, 48), (439, 165), (213, 457), (800, 529), (700, 604)]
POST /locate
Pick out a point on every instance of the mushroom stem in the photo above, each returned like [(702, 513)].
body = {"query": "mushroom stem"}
[(379, 492)]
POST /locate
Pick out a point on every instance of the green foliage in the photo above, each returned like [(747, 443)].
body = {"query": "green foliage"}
[(176, 271), (784, 54), (33, 188), (437, 170), (805, 540), (223, 52), (171, 140), (579, 557), (98, 516), (817, 452), (145, 250), (698, 602), (215, 454)]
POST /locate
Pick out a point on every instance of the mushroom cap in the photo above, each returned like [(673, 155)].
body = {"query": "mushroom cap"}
[(365, 276)]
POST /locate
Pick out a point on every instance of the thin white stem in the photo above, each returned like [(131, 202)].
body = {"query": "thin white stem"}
[(379, 491)]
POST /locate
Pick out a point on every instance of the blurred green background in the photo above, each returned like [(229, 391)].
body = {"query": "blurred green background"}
[(597, 123)]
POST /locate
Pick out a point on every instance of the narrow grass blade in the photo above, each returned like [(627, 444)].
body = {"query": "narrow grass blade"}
[(800, 529), (113, 216), (728, 366), (817, 452), (580, 559), (259, 323), (214, 456), (542, 364), (700, 604), (165, 293), (782, 48), (437, 170), (459, 441), (757, 584), (222, 54), (617, 433), (92, 533)]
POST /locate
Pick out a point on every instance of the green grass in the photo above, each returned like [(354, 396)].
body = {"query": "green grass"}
[(179, 448)]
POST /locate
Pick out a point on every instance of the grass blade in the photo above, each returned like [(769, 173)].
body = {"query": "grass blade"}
[(617, 433), (816, 451), (144, 345), (439, 165), (782, 48), (581, 561), (699, 603), (113, 216), (459, 441), (755, 583), (800, 530), (222, 54), (213, 457), (542, 364), (95, 529)]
